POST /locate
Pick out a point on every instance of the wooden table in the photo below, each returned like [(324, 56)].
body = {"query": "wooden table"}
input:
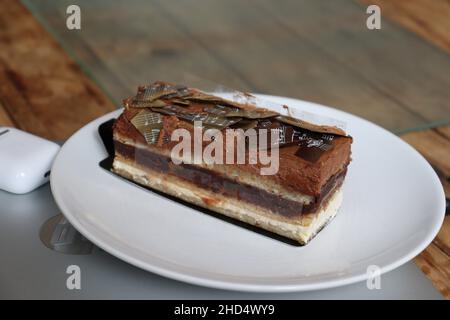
[(53, 81)]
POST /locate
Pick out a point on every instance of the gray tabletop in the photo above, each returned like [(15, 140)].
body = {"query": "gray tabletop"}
[(30, 270)]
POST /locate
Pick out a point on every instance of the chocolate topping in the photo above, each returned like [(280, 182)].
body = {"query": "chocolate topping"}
[(176, 100)]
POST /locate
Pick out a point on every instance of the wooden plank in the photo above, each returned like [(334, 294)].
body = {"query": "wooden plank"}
[(444, 131), (435, 260), (436, 265), (442, 240), (429, 19), (433, 146), (5, 120), (42, 89)]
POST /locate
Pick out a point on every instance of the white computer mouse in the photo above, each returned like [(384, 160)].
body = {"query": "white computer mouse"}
[(25, 160)]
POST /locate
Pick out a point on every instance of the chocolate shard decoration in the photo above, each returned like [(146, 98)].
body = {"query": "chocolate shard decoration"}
[(287, 135), (204, 97), (246, 124), (156, 91), (182, 90), (149, 124), (157, 104), (172, 110), (156, 95), (257, 113), (265, 123), (220, 113), (219, 109), (148, 104), (207, 119), (310, 126), (218, 121), (313, 145), (216, 116), (138, 104), (181, 102), (210, 120), (148, 94)]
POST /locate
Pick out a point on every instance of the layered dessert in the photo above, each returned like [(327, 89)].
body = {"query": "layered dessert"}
[(296, 200)]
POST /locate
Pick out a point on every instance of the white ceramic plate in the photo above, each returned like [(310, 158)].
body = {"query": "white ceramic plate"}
[(393, 207)]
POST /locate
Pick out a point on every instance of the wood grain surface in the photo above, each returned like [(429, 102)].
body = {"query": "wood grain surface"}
[(314, 50), (42, 90), (5, 120)]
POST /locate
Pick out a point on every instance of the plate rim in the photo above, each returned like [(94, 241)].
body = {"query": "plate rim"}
[(231, 285)]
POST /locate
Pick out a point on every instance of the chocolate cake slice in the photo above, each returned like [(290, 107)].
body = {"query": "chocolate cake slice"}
[(296, 200)]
